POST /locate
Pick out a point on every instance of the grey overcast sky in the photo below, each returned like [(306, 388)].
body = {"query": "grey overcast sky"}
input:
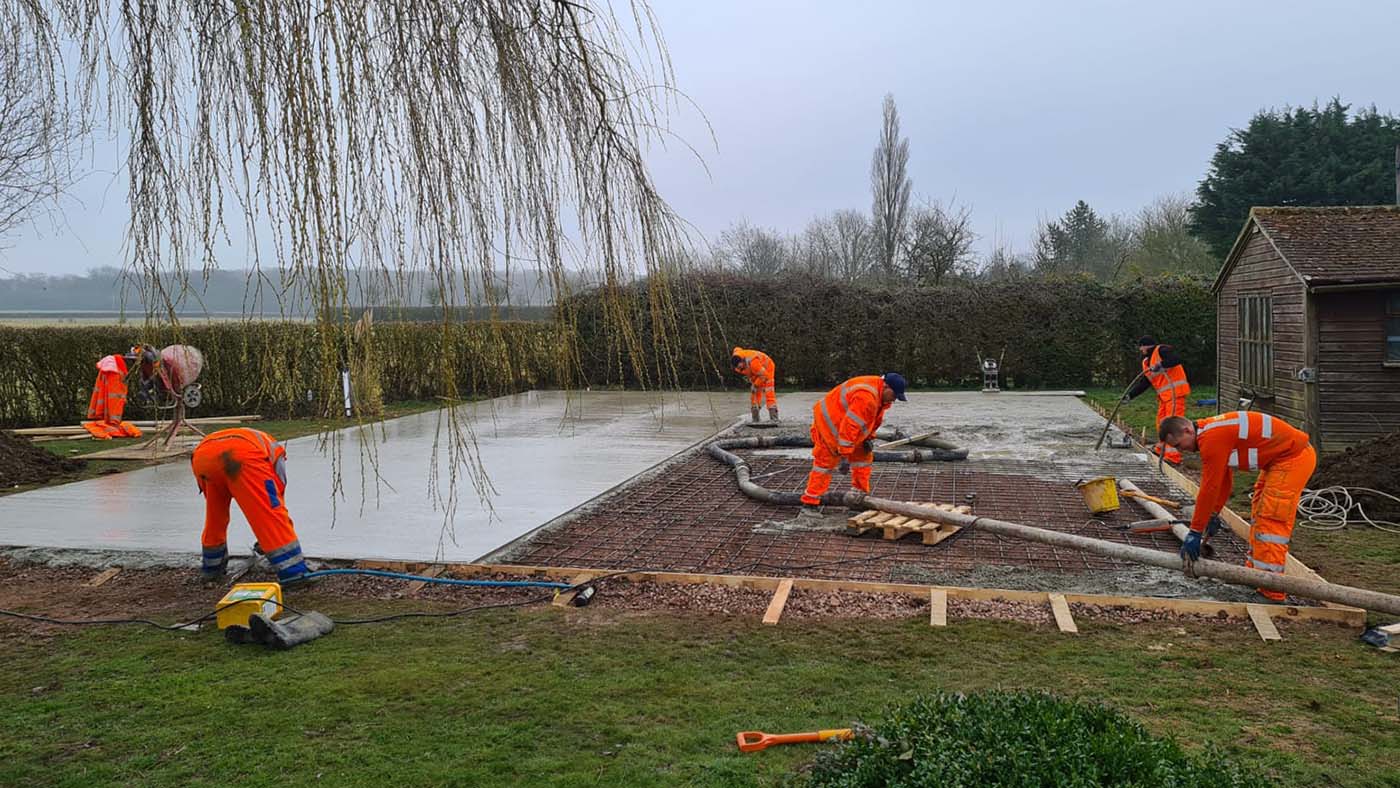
[(1017, 109)]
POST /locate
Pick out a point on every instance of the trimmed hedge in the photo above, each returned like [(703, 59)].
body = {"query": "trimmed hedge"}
[(270, 368), (1014, 739), (1057, 333)]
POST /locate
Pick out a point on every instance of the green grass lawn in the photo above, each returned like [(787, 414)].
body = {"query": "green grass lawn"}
[(568, 697)]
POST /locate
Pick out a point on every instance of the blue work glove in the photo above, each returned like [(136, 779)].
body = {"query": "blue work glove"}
[(1214, 525), (1191, 547), (844, 467), (868, 445)]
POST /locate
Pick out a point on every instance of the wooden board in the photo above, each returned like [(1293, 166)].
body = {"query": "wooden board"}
[(895, 526), (419, 585), (1351, 617), (149, 449), (938, 607), (1063, 619), (1263, 622), (566, 598), (107, 574), (779, 601)]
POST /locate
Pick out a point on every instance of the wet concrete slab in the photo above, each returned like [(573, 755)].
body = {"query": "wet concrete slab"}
[(542, 453)]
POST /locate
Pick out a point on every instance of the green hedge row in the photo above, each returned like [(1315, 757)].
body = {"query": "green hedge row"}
[(282, 369), (1056, 333)]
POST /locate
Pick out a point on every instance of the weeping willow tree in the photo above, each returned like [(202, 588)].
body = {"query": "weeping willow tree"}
[(411, 139)]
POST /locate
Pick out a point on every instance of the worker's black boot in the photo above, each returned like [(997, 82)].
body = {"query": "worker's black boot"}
[(773, 414), (753, 415)]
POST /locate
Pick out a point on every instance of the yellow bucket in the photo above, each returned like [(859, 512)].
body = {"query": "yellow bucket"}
[(1100, 495)]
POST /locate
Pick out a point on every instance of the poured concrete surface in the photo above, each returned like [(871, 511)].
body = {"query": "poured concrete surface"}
[(544, 453)]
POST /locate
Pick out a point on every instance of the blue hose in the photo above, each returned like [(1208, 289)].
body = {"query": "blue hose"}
[(447, 581)]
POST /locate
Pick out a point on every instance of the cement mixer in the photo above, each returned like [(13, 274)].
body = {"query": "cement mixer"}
[(168, 380)]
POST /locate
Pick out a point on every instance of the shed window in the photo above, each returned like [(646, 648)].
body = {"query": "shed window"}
[(1257, 342), (1392, 327)]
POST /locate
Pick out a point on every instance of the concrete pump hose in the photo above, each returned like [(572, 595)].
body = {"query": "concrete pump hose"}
[(1229, 573)]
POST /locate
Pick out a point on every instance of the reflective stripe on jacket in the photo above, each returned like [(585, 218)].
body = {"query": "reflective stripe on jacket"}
[(1238, 440), (1171, 381), (850, 413)]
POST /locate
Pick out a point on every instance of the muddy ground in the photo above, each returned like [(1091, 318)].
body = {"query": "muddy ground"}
[(21, 462), (1374, 464), (171, 595)]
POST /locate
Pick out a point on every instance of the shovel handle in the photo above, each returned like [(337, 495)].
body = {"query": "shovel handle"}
[(1144, 496), (753, 741)]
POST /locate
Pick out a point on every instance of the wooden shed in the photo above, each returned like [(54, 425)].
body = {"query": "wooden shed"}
[(1309, 320)]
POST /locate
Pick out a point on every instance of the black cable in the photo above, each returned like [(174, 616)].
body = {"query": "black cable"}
[(146, 621)]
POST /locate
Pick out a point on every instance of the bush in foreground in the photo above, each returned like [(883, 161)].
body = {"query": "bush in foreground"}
[(1014, 738)]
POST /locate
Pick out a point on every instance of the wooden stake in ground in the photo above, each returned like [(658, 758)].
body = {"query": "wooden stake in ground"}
[(1263, 623), (1063, 619), (938, 607), (780, 597)]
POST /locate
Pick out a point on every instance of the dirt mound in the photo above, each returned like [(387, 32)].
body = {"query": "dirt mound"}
[(1374, 464), (21, 462)]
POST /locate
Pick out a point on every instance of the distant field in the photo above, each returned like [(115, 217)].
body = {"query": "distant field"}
[(77, 319)]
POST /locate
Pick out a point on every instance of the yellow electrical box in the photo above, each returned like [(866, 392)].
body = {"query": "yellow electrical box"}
[(245, 599)]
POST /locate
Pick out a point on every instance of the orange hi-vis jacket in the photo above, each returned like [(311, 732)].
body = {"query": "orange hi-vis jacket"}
[(760, 373), (1243, 440), (849, 414), (108, 402), (1170, 383)]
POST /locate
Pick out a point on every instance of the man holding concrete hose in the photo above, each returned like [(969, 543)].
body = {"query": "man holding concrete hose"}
[(843, 428), (758, 367), (1162, 370), (1247, 440)]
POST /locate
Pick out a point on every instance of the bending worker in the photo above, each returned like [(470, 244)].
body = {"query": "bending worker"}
[(1162, 370), (758, 368), (1247, 440), (250, 467), (843, 431)]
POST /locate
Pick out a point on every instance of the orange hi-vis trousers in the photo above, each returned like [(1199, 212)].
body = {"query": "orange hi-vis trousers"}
[(243, 465), (1167, 405), (1274, 510), (825, 460)]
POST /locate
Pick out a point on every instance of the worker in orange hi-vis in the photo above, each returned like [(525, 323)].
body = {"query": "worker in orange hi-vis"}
[(758, 367), (250, 467), (1162, 370), (843, 428), (109, 401), (1243, 440)]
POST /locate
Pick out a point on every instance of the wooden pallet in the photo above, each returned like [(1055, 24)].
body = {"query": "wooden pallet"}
[(894, 526)]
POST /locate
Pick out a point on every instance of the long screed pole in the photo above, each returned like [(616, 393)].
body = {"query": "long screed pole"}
[(1229, 573)]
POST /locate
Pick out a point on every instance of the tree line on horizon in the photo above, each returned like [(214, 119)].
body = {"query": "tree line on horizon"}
[(1301, 156)]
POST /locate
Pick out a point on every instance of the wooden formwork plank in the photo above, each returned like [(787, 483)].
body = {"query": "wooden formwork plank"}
[(861, 518), (1263, 622), (881, 518), (779, 601), (106, 574), (899, 520), (1203, 607), (938, 607), (1063, 619)]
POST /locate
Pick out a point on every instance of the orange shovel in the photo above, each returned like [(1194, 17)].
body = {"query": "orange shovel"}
[(753, 741)]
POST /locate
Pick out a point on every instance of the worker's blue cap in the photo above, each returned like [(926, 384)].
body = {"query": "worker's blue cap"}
[(896, 383)]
